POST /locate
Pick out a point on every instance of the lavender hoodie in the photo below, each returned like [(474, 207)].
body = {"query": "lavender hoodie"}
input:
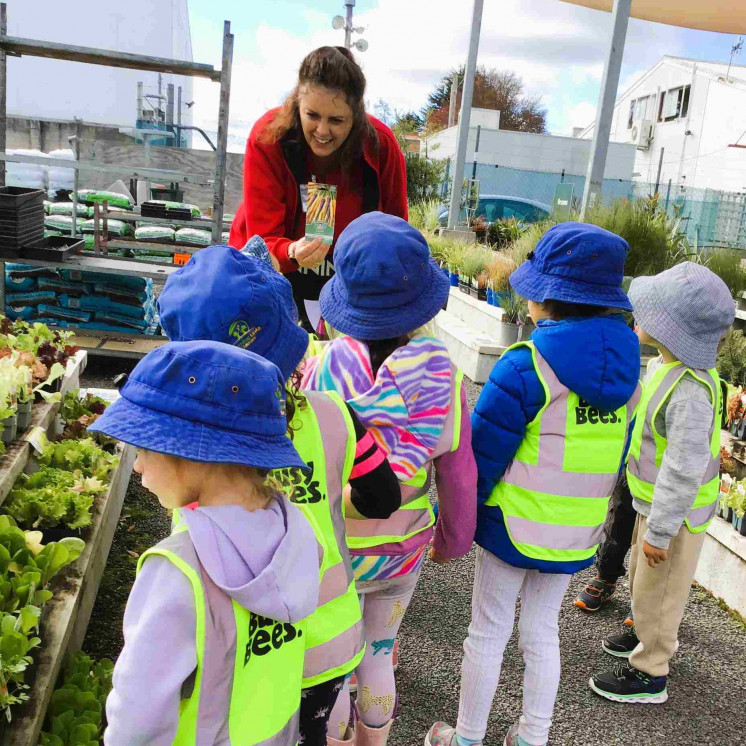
[(267, 560)]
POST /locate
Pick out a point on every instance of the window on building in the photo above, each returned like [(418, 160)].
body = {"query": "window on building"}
[(674, 104), (639, 109)]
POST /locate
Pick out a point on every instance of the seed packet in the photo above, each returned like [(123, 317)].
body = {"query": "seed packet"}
[(320, 212)]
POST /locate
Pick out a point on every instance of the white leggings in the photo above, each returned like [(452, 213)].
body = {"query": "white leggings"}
[(496, 588)]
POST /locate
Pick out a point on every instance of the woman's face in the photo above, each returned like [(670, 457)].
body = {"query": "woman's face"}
[(326, 119)]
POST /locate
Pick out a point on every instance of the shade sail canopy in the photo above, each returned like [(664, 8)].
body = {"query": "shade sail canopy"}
[(725, 16)]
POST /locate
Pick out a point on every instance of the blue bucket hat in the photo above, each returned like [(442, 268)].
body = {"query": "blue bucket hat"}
[(204, 401), (226, 296), (386, 283), (575, 263)]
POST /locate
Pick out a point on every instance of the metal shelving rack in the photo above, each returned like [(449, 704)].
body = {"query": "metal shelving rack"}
[(18, 47)]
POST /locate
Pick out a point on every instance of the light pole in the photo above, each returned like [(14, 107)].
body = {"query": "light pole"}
[(340, 22)]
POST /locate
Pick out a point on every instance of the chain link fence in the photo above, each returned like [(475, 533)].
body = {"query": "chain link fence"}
[(710, 218)]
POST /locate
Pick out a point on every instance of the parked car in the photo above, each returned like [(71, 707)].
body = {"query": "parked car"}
[(494, 207)]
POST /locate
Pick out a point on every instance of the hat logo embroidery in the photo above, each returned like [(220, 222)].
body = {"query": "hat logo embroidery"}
[(244, 334)]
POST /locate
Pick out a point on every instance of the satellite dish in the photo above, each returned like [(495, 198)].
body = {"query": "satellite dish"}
[(338, 23), (361, 45)]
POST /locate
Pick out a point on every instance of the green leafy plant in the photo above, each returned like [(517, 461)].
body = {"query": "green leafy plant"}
[(726, 264), (475, 262), (52, 496), (84, 455), (731, 359), (26, 567), (423, 215), (76, 710), (515, 309), (503, 232)]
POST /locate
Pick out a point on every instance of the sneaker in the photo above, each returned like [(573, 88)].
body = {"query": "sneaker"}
[(441, 734), (627, 684), (513, 739), (595, 595), (621, 646)]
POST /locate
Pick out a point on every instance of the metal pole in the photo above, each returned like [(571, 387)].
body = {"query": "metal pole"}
[(668, 193), (349, 4), (476, 150), (658, 177), (159, 110), (3, 128), (609, 84), (170, 104), (463, 125), (138, 117), (75, 142), (452, 107), (3, 88), (178, 117), (222, 143)]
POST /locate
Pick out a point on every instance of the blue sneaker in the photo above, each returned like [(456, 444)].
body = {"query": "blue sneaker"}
[(627, 684)]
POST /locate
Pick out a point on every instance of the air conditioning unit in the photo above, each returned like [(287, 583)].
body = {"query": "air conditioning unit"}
[(641, 134)]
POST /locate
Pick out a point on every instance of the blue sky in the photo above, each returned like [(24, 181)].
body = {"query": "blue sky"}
[(557, 48)]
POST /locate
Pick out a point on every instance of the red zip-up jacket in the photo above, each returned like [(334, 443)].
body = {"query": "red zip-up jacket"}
[(270, 205)]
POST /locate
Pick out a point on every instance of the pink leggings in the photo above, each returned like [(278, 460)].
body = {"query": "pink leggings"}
[(383, 603)]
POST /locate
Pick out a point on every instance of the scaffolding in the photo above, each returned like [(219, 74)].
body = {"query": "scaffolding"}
[(19, 47)]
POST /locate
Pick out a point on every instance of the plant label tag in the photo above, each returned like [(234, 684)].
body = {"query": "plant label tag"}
[(181, 259), (322, 208), (37, 436)]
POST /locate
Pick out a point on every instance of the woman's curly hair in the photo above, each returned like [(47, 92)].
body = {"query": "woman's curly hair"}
[(333, 68)]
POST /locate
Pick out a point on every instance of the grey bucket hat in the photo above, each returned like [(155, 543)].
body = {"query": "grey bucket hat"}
[(687, 308)]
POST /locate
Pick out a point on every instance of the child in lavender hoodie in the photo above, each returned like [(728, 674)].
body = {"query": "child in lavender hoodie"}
[(402, 385), (213, 628)]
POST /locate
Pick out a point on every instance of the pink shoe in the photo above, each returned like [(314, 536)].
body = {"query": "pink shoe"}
[(365, 735)]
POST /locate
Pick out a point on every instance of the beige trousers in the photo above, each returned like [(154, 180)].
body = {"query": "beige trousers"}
[(659, 596)]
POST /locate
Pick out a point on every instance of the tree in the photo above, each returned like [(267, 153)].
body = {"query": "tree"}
[(500, 90), (382, 111)]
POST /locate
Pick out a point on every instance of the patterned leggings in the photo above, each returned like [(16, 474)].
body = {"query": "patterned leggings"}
[(315, 706), (383, 603)]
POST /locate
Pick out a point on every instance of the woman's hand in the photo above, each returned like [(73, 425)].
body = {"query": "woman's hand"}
[(309, 254)]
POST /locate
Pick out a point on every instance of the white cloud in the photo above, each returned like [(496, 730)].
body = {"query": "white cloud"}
[(558, 49), (581, 115)]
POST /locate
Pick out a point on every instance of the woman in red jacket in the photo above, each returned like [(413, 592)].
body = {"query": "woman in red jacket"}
[(322, 134)]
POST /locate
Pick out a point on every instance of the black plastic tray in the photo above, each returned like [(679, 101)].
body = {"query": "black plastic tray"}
[(16, 197), (53, 248), (148, 210)]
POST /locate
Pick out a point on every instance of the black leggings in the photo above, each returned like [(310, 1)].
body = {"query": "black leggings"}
[(315, 707), (620, 525)]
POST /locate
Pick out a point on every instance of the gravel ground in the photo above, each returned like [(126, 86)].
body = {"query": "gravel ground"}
[(708, 676)]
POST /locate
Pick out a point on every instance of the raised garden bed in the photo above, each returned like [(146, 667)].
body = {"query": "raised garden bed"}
[(65, 617)]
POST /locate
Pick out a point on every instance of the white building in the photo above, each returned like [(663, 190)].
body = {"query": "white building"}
[(693, 114), (524, 164), (52, 89)]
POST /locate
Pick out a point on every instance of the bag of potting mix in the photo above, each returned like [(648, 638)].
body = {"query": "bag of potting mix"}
[(196, 212), (115, 227), (120, 294), (65, 286), (63, 223), (66, 208), (69, 314), (140, 284), (16, 284), (20, 312), (115, 199), (32, 298), (193, 237), (159, 233), (105, 317), (97, 303)]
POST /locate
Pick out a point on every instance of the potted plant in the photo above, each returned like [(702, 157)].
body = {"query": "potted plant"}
[(512, 308), (8, 405), (25, 398), (498, 271), (473, 265)]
